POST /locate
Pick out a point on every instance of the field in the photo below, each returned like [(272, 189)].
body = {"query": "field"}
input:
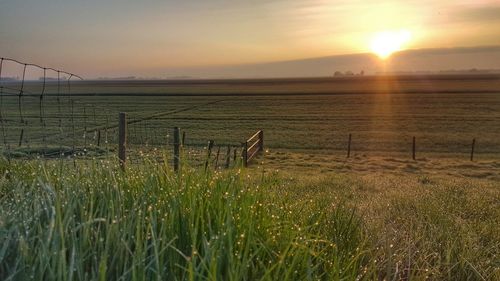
[(306, 122), (97, 223), (301, 211)]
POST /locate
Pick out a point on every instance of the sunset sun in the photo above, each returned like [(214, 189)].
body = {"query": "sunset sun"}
[(385, 43)]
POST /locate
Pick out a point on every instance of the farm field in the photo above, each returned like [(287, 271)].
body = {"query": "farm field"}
[(301, 211), (250, 140), (310, 130)]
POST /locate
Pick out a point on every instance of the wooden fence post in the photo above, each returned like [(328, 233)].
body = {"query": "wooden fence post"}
[(99, 138), (122, 139), (472, 149), (176, 148), (261, 139), (95, 119), (349, 146), (21, 137), (84, 127), (217, 157), (228, 156), (8, 153), (244, 153), (73, 123), (209, 153), (183, 138), (414, 149)]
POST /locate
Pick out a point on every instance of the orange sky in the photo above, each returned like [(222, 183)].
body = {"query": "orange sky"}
[(128, 37)]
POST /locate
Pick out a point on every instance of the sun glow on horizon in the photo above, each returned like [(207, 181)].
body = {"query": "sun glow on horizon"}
[(385, 43)]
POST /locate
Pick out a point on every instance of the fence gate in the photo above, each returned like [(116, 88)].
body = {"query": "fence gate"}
[(252, 146)]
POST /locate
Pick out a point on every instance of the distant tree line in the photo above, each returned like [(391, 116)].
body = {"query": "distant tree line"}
[(348, 73)]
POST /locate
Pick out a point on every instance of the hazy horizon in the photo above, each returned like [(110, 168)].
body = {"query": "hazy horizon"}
[(432, 60)]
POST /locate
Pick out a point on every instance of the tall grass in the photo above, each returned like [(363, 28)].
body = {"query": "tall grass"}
[(97, 223), (449, 233), (419, 228)]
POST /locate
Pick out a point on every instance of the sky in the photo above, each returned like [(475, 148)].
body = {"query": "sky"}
[(146, 38)]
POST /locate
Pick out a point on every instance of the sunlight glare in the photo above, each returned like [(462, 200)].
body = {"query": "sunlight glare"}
[(385, 43)]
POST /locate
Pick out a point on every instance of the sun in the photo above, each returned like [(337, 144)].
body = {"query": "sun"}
[(385, 43)]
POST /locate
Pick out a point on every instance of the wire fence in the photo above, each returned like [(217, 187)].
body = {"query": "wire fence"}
[(42, 119), (30, 113), (153, 139)]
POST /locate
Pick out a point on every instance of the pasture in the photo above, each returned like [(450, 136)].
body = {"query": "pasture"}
[(301, 211), (307, 122)]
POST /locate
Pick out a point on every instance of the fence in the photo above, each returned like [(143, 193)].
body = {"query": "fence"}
[(252, 146), (219, 160), (60, 117), (413, 148), (24, 104), (22, 91)]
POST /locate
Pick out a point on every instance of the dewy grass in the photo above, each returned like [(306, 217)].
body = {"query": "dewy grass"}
[(448, 234), (94, 222), (97, 223)]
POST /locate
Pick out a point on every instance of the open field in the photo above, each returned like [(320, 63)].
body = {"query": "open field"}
[(310, 127), (216, 140), (301, 211)]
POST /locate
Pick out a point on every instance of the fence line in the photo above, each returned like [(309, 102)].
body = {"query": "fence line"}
[(178, 145), (21, 92), (36, 115)]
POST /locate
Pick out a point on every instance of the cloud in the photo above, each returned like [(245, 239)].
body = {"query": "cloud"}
[(478, 14), (455, 51)]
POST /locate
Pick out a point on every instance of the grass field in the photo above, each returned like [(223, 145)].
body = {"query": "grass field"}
[(97, 223), (301, 211), (382, 114), (444, 113)]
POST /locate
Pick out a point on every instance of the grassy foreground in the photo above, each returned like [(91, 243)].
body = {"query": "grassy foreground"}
[(97, 223)]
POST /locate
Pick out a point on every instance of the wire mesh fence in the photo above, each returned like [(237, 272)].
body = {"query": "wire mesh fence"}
[(43, 119), (59, 116), (152, 139)]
